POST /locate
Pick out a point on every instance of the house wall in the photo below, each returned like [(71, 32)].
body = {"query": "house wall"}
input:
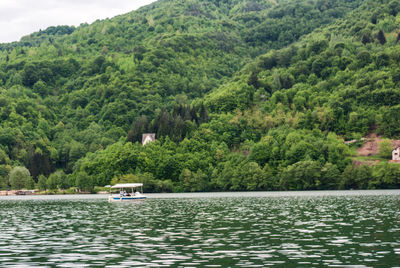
[(148, 137), (396, 154), (147, 140)]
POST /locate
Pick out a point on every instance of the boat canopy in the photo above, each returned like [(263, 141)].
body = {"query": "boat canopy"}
[(127, 185)]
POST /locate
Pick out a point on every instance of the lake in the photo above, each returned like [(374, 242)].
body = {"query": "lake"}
[(258, 229)]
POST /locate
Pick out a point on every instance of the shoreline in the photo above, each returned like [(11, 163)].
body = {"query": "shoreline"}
[(232, 194)]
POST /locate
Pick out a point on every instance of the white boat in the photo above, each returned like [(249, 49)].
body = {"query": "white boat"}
[(127, 192)]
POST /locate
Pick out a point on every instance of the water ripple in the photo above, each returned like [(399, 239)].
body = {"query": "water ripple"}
[(236, 230)]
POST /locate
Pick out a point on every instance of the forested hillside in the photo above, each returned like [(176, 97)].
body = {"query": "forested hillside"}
[(242, 95)]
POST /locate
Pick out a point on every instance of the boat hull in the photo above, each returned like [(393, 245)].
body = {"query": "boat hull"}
[(126, 199)]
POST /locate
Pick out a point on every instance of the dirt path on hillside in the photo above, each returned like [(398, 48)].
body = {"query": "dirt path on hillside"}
[(371, 145)]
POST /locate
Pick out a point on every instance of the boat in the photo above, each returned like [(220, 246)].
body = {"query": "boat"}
[(126, 192)]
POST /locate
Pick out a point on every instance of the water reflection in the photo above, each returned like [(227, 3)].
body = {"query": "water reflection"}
[(216, 231)]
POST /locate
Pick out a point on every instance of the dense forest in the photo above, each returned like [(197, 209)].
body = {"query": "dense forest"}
[(242, 95)]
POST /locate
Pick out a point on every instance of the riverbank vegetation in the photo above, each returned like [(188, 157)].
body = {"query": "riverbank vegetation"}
[(242, 95)]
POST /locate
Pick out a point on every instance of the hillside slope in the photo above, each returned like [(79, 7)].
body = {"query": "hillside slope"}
[(342, 78), (227, 116), (274, 125)]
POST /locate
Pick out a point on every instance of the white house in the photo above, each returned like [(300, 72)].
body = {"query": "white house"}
[(148, 137), (396, 153)]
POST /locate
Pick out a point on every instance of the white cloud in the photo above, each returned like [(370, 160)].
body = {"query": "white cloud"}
[(22, 17)]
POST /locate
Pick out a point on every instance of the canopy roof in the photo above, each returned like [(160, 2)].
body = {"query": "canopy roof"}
[(127, 185)]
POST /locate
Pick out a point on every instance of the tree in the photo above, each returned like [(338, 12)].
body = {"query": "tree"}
[(57, 180), (84, 182), (366, 38), (392, 174), (364, 57), (77, 150), (203, 114), (20, 178), (394, 7), (302, 175), (388, 121), (3, 183), (363, 175), (330, 175), (261, 153), (318, 65), (381, 37), (139, 127), (30, 74), (40, 87), (39, 162), (385, 175), (348, 179), (139, 52), (4, 171), (186, 179), (42, 183), (52, 182), (127, 178), (253, 176), (385, 148), (382, 59), (253, 80), (317, 46)]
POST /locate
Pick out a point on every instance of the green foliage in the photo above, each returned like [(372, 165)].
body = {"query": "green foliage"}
[(128, 178), (42, 183), (20, 178), (4, 171), (381, 37), (52, 182), (385, 149), (193, 181), (302, 175), (57, 180), (84, 182), (385, 176), (236, 101)]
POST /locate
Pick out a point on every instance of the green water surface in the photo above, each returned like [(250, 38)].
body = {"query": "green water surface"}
[(297, 229)]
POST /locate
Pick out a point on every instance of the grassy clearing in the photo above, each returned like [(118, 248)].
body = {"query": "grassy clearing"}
[(369, 158)]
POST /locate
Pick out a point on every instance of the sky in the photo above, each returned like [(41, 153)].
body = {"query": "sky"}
[(22, 17)]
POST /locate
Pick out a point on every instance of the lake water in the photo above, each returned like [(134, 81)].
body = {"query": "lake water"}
[(286, 229)]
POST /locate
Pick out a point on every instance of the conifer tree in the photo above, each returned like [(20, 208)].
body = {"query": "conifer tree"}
[(203, 114), (366, 38), (381, 37)]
